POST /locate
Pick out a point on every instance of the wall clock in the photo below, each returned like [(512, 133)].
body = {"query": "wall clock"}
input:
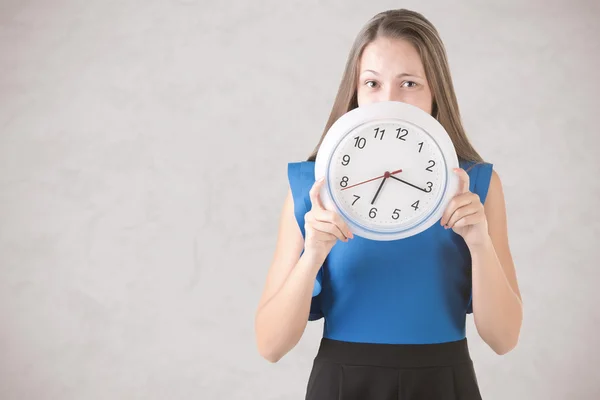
[(388, 168)]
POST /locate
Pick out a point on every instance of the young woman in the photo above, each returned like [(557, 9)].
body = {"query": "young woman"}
[(394, 311)]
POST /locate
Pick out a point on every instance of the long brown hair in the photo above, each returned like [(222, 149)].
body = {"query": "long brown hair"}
[(414, 27)]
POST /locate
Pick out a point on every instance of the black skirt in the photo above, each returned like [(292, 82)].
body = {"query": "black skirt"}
[(371, 371)]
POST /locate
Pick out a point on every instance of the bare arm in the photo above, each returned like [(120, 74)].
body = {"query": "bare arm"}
[(283, 310), (497, 304)]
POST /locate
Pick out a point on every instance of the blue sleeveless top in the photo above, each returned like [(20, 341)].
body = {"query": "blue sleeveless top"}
[(415, 290)]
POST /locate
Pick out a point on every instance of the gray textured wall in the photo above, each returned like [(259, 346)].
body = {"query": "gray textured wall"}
[(143, 151)]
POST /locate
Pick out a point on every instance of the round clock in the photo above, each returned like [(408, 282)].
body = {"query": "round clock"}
[(388, 169)]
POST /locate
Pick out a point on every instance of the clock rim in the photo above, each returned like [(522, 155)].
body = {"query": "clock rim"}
[(381, 111)]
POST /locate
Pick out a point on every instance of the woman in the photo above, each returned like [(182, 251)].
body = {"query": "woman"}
[(394, 311)]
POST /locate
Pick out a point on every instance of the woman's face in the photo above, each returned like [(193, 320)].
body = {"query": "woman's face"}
[(391, 69)]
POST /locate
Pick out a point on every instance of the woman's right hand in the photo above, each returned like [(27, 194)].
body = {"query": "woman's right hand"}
[(323, 227)]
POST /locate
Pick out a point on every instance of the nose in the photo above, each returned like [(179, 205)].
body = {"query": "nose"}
[(391, 93)]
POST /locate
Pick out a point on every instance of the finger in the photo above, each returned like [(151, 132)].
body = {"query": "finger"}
[(461, 214), (329, 229), (469, 220), (463, 186), (458, 201), (315, 197), (333, 218), (329, 217)]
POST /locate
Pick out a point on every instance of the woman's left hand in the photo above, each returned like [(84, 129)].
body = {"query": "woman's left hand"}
[(465, 214)]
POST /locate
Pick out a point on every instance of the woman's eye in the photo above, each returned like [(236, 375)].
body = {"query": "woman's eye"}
[(414, 83), (368, 82)]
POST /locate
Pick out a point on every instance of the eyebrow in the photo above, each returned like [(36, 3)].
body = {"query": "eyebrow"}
[(397, 76)]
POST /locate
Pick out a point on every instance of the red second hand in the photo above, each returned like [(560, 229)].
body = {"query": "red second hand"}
[(386, 175)]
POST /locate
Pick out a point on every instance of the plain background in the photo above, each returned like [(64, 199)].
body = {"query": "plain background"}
[(143, 155)]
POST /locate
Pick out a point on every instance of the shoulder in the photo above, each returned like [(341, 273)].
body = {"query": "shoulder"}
[(495, 181), (473, 167), (301, 177), (495, 192), (301, 173), (302, 166), (480, 176), (486, 183)]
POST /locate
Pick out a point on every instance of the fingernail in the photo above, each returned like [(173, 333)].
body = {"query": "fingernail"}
[(321, 180)]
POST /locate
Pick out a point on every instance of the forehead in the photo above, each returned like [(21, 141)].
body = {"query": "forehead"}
[(394, 56)]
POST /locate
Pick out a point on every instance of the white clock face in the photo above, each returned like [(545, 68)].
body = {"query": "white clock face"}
[(389, 170), (387, 175)]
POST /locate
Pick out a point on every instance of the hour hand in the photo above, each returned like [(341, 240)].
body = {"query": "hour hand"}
[(379, 189)]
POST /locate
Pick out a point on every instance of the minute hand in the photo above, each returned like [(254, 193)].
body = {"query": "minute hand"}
[(409, 184)]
